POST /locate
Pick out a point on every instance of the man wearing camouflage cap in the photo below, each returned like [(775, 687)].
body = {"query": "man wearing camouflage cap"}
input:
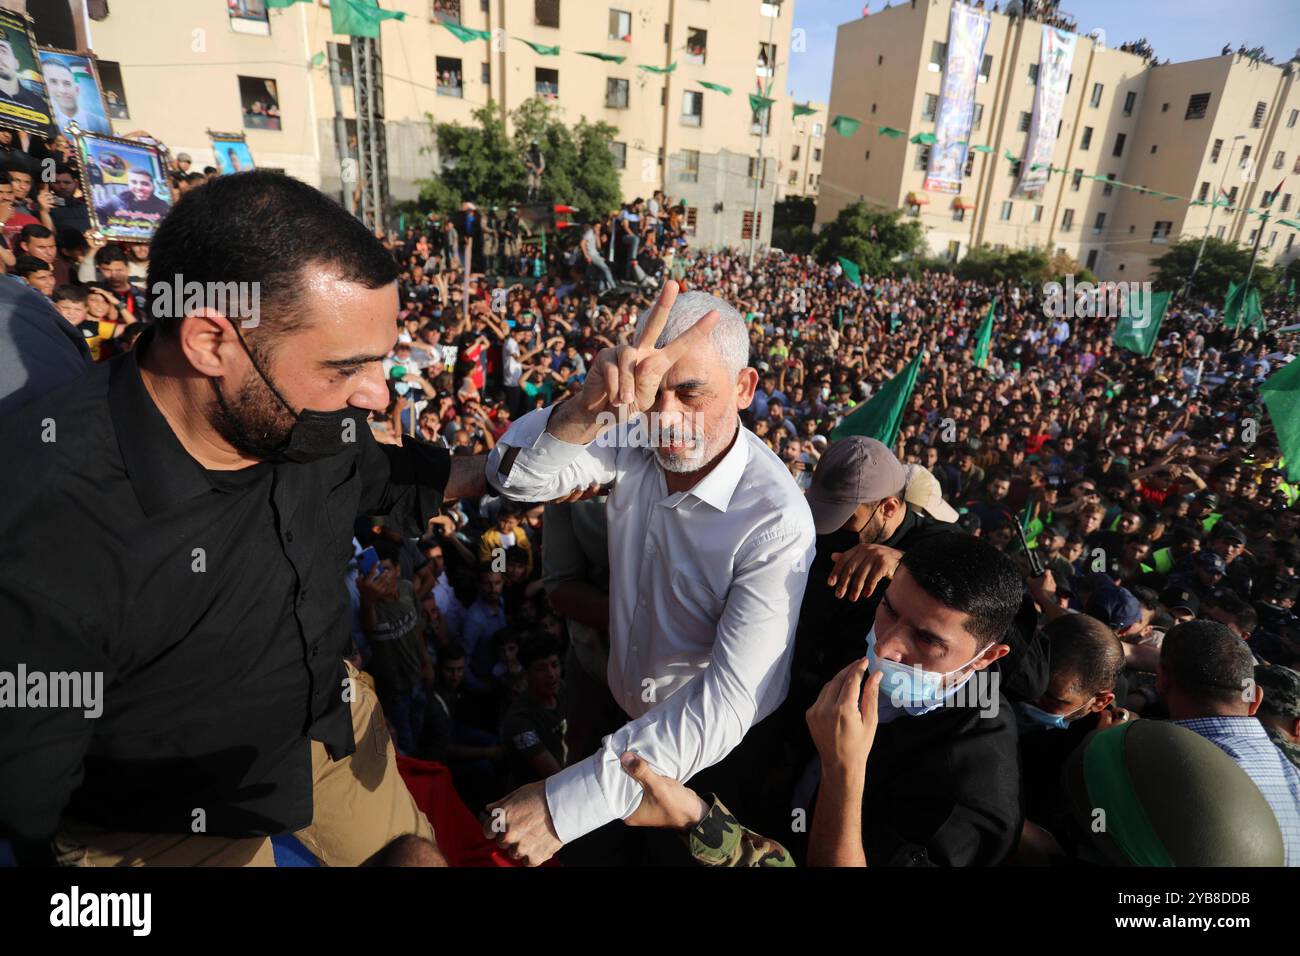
[(1279, 711)]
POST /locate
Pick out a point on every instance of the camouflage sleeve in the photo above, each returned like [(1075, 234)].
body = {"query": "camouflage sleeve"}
[(719, 840)]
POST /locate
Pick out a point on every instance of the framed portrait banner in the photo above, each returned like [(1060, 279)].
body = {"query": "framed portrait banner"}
[(75, 91), (231, 151), (24, 104), (125, 183)]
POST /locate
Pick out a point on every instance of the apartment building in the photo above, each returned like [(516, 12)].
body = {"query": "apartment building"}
[(801, 170), (1121, 119)]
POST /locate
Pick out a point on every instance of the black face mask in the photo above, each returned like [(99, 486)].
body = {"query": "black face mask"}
[(315, 435)]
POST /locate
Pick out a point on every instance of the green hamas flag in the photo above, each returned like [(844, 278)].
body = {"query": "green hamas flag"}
[(281, 4), (845, 125), (541, 49), (659, 69), (851, 270), (1242, 305), (759, 103), (982, 149), (882, 416), (360, 18), (1281, 396), (716, 87), (984, 340), (465, 34), (318, 59), (884, 130), (607, 57), (800, 110), (1138, 329), (1007, 154), (924, 139)]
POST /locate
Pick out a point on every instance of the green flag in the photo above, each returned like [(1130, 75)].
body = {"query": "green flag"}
[(883, 130), (541, 49), (1290, 290), (800, 110), (1242, 305), (839, 317), (360, 18), (1007, 154), (465, 34), (882, 416), (924, 139), (281, 4), (984, 340), (759, 103), (659, 69), (845, 125), (1137, 331), (607, 57), (318, 59), (851, 270), (1281, 396), (982, 149), (716, 87)]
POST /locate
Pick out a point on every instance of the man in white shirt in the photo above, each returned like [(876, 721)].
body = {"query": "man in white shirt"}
[(709, 544)]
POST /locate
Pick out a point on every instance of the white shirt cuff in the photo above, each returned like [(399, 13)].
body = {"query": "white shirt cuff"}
[(577, 803)]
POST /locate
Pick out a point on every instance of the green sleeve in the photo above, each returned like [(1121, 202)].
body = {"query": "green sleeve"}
[(719, 840)]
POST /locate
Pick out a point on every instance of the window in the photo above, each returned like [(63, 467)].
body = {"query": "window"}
[(546, 13), (450, 78), (817, 155), (1038, 214), (1109, 188), (1160, 231), (931, 105), (110, 77), (1119, 145), (1215, 150), (1286, 203), (986, 68), (873, 107), (1251, 238), (866, 157), (938, 56), (794, 177), (747, 224), (1279, 160), (445, 11), (818, 130), (1098, 224), (1059, 125), (760, 124), (1033, 74), (1291, 120), (1095, 99), (692, 108), (1296, 167), (697, 46), (977, 119), (1154, 148), (1013, 169), (1290, 240), (344, 53), (766, 59), (546, 82), (1130, 99), (1218, 233), (1005, 213), (260, 101), (616, 93), (959, 214), (922, 157), (1245, 156), (619, 152), (1025, 120), (1085, 140), (1069, 82), (771, 8), (690, 166), (1197, 106), (1232, 196), (1076, 180), (1204, 192), (970, 164), (1067, 220), (812, 178), (1272, 238), (692, 214), (1164, 107), (753, 169), (485, 74), (1257, 120), (620, 24), (794, 153), (1091, 264)]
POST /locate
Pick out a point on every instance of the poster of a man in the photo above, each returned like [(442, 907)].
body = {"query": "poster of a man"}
[(128, 191), (23, 103), (72, 82)]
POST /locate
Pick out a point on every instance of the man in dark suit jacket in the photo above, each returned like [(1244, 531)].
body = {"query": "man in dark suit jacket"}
[(39, 349)]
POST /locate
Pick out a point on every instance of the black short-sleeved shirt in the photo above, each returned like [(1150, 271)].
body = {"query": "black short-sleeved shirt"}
[(214, 605), (527, 730)]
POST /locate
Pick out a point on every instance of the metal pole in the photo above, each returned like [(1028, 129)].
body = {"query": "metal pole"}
[(1213, 206), (340, 127), (762, 138)]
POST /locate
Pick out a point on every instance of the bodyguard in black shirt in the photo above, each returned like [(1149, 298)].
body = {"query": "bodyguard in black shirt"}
[(179, 519)]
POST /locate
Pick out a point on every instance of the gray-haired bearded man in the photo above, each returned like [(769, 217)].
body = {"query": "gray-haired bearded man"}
[(709, 542)]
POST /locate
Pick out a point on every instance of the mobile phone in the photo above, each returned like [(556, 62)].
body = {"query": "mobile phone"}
[(367, 561)]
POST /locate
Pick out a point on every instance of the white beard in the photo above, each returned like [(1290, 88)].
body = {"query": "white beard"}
[(695, 454)]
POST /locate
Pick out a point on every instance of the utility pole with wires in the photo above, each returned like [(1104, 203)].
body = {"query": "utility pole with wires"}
[(372, 139), (764, 120)]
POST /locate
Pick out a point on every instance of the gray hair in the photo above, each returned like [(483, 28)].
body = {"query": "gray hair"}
[(730, 337)]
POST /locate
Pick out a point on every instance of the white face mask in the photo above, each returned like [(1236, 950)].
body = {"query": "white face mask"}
[(508, 539)]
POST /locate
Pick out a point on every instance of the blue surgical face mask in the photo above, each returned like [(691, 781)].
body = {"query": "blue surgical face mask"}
[(1036, 715), (402, 388), (908, 686)]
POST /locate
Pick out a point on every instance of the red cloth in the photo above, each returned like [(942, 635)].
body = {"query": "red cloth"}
[(460, 837)]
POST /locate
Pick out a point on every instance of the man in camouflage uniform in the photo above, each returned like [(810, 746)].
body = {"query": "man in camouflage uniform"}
[(491, 241), (711, 833), (1279, 711)]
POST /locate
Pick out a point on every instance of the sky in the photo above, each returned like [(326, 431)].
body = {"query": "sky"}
[(1177, 29)]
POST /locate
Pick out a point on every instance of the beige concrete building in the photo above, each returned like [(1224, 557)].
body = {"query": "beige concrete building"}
[(181, 64), (801, 168), (1122, 119)]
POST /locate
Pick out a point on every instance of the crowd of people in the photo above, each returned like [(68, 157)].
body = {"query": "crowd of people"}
[(1133, 520)]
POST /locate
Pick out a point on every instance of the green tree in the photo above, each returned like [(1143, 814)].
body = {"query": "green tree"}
[(872, 237), (1222, 263), (984, 264), (479, 163), (580, 168)]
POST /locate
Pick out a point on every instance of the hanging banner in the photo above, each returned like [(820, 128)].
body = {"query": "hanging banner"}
[(1055, 59), (968, 29)]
